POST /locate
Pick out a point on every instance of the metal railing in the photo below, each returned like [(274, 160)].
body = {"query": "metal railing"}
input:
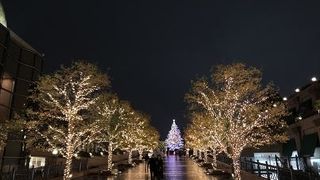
[(45, 172), (279, 171)]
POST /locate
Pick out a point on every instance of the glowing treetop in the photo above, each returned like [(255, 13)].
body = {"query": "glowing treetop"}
[(2, 16), (174, 140)]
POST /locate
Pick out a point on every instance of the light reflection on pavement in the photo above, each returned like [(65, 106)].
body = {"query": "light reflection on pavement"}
[(175, 168)]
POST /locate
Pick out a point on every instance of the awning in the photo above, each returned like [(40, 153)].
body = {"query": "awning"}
[(289, 147), (309, 143)]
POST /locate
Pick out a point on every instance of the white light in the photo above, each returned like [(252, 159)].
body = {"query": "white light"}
[(76, 155), (90, 154), (55, 152), (313, 79), (297, 90), (285, 98), (274, 105), (300, 118), (101, 153)]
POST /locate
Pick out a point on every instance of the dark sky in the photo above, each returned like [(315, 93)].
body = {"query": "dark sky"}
[(152, 49)]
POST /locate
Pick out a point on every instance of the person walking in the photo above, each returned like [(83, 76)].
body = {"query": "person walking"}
[(159, 169), (152, 166), (146, 162)]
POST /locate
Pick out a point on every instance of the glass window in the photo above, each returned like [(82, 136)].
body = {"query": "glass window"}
[(19, 101), (36, 75), (5, 98), (295, 161), (37, 162), (4, 113), (13, 52), (11, 66), (3, 35), (21, 87), (25, 72), (27, 57), (7, 83), (266, 156), (38, 63)]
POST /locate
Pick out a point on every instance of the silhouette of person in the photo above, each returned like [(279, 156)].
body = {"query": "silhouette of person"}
[(159, 165), (152, 166), (146, 162)]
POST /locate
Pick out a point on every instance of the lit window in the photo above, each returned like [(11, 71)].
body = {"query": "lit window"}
[(37, 162)]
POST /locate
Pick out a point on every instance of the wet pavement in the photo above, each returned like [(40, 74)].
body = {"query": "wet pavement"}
[(175, 168)]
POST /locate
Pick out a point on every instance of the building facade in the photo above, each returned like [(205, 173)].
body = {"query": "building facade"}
[(302, 150), (20, 66), (304, 125)]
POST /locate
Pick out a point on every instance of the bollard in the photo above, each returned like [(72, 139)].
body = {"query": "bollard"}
[(251, 166), (13, 174), (259, 172), (267, 169), (32, 173)]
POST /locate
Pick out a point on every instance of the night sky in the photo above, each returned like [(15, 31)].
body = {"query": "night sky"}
[(153, 49)]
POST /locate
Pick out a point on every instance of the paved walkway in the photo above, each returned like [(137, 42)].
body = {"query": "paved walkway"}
[(175, 168)]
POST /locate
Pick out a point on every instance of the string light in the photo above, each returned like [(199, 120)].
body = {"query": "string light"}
[(62, 98), (238, 112)]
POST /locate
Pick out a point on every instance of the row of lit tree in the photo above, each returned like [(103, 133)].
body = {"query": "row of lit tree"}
[(231, 110), (74, 108)]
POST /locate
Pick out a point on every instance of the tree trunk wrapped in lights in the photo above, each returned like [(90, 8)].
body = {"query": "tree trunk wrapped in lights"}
[(122, 127), (110, 151), (59, 117), (244, 112), (112, 116), (144, 136), (130, 156), (201, 134), (140, 151)]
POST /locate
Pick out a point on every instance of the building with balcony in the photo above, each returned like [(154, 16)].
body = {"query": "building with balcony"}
[(302, 150), (304, 124)]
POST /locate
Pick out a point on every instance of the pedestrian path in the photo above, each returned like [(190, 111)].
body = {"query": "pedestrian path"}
[(175, 168)]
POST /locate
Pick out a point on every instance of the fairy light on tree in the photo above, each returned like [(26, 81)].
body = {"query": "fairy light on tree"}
[(9, 126), (111, 114), (152, 140), (60, 113), (139, 134), (174, 140), (202, 134), (134, 137), (243, 110), (144, 137)]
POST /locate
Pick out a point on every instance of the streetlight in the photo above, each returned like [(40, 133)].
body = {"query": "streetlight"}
[(55, 151), (297, 90), (285, 98), (314, 79)]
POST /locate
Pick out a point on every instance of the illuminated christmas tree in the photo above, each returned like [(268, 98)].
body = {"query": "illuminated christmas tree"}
[(174, 140)]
